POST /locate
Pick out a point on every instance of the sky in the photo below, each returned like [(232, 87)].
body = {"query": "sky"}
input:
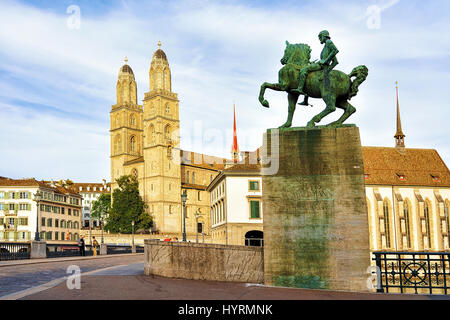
[(59, 62)]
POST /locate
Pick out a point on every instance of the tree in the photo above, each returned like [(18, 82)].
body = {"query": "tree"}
[(128, 206), (101, 207)]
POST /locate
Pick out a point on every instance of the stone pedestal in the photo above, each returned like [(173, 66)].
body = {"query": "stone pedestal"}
[(103, 249), (315, 217), (38, 250)]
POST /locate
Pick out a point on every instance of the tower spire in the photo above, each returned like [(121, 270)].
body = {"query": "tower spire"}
[(399, 135), (234, 148)]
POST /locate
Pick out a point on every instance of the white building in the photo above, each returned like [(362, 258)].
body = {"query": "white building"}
[(236, 207), (90, 193), (59, 214)]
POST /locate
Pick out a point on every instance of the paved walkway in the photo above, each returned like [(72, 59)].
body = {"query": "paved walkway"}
[(121, 278), (25, 274)]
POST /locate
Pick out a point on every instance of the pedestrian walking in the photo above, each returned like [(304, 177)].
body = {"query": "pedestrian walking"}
[(81, 246), (95, 245)]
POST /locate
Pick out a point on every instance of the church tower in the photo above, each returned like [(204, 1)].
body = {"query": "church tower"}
[(162, 182), (126, 124)]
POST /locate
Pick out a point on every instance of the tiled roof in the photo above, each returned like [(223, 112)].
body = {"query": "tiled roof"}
[(193, 186), (202, 160), (91, 186), (411, 167), (239, 167), (5, 182)]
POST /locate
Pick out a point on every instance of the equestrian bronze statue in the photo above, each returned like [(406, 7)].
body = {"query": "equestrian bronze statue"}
[(316, 80)]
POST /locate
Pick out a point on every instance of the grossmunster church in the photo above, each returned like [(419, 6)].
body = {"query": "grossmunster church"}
[(145, 143)]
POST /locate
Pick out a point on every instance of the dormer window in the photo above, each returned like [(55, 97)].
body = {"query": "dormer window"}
[(436, 178)]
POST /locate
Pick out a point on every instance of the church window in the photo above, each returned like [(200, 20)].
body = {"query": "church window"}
[(133, 144), (187, 177), (386, 225), (193, 177), (199, 196), (446, 225), (167, 132), (118, 144), (152, 134), (132, 120), (407, 222), (167, 108), (426, 226)]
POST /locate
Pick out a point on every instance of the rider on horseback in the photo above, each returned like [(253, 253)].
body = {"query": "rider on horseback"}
[(328, 62)]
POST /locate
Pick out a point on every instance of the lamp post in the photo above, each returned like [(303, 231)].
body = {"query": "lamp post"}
[(132, 233), (37, 198), (101, 226), (183, 201), (196, 226), (90, 223)]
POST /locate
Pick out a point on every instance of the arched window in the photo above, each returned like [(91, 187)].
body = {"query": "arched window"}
[(151, 134), (406, 224), (133, 144), (426, 226), (118, 144), (167, 132), (167, 108), (254, 238), (446, 227), (187, 177), (134, 172), (193, 177), (132, 120), (386, 224)]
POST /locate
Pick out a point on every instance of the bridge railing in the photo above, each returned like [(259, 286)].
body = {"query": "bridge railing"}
[(14, 251), (413, 272)]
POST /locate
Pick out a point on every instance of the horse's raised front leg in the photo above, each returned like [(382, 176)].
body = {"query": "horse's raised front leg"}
[(331, 107), (292, 99), (266, 85)]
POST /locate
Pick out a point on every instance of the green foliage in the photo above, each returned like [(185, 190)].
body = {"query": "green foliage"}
[(128, 206), (101, 207)]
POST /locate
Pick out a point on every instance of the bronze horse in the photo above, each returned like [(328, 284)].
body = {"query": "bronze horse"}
[(335, 88)]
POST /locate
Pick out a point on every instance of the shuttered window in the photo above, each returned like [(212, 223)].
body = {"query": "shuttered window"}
[(254, 209)]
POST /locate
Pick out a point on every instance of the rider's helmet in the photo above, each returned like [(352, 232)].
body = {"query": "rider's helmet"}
[(325, 33)]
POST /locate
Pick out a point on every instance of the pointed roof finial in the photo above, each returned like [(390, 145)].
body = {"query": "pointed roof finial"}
[(399, 135), (126, 60), (159, 44)]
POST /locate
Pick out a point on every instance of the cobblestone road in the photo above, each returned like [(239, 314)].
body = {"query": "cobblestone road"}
[(21, 277)]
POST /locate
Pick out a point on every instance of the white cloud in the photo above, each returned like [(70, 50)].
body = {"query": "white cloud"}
[(218, 52)]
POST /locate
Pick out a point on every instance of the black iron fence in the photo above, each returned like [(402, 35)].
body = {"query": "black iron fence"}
[(118, 249), (413, 272), (14, 251), (139, 249), (67, 250)]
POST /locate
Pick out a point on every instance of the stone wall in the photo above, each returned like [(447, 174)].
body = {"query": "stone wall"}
[(198, 261)]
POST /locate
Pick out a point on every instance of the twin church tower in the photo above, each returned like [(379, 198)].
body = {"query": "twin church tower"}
[(145, 143)]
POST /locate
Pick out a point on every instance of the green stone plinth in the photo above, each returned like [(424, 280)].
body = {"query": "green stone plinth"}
[(315, 217)]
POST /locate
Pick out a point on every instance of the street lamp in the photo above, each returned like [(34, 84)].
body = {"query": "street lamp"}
[(37, 198), (196, 226), (132, 233), (183, 201)]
